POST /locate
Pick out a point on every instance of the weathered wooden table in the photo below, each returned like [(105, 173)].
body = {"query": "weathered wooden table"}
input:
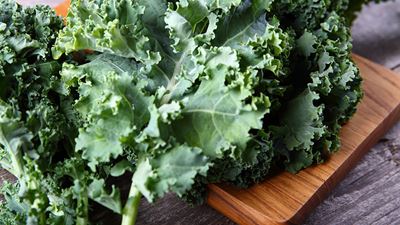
[(370, 194)]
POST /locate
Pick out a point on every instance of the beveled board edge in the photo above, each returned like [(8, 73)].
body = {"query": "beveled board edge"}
[(240, 213)]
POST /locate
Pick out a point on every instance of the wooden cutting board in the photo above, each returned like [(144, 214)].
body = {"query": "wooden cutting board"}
[(288, 198)]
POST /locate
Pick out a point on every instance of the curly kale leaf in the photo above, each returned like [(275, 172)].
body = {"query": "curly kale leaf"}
[(34, 131), (173, 170), (111, 103), (97, 192), (301, 125), (229, 120), (12, 209), (110, 26)]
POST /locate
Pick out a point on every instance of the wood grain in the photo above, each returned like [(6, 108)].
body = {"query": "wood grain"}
[(288, 198), (370, 194)]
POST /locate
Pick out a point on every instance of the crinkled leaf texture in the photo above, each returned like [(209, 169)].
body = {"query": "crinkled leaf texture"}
[(223, 77), (301, 125), (114, 26), (197, 95), (34, 132), (174, 170), (97, 193), (228, 119), (111, 103)]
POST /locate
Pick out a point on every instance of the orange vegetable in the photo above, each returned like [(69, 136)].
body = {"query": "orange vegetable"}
[(62, 9)]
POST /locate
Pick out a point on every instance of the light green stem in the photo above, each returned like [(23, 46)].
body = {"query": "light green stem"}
[(81, 221), (130, 211)]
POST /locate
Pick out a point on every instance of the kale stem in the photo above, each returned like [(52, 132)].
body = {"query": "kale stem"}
[(130, 211), (82, 200), (81, 221), (42, 218), (83, 218)]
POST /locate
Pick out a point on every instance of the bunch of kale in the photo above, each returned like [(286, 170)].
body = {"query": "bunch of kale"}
[(175, 94)]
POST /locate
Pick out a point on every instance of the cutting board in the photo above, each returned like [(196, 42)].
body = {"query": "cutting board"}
[(288, 198)]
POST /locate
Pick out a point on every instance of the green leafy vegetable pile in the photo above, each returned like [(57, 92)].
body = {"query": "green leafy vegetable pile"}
[(166, 96)]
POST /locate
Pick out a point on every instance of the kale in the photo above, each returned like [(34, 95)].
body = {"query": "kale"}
[(174, 94)]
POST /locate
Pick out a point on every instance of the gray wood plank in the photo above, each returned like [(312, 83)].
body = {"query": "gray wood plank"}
[(5, 176), (171, 210), (376, 33)]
